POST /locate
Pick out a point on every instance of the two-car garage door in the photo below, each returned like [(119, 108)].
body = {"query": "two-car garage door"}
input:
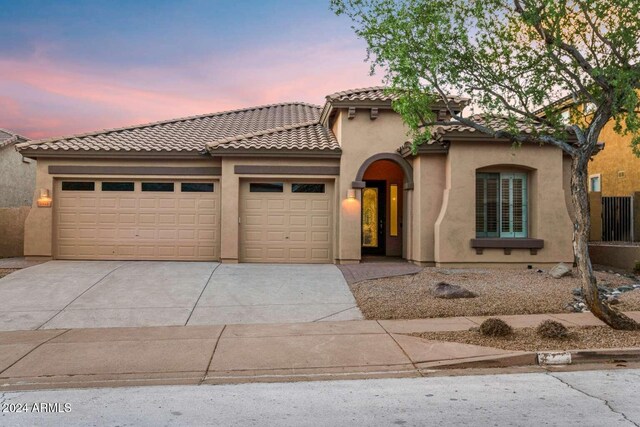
[(137, 220)]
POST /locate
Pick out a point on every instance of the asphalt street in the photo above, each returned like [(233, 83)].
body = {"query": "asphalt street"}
[(587, 398)]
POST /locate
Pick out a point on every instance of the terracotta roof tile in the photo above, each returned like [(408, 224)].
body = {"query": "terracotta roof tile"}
[(375, 93), (304, 136), (8, 138), (188, 134)]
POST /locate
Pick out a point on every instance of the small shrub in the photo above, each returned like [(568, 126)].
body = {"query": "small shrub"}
[(494, 327), (636, 269), (552, 329)]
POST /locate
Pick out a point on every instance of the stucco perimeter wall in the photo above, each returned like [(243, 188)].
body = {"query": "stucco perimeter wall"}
[(548, 215), (38, 233), (618, 256), (17, 178), (361, 138), (230, 196), (12, 231)]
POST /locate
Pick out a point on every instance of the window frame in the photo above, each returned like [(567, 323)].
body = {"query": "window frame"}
[(599, 178), (133, 186), (511, 177), (212, 184)]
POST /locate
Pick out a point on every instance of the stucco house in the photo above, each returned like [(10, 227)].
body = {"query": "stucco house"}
[(17, 182), (299, 183)]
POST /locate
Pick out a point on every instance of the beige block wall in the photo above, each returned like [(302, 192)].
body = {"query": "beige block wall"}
[(12, 231), (362, 138), (230, 196), (618, 256), (38, 233), (548, 216)]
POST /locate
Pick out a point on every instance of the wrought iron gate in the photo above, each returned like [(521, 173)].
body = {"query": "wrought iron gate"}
[(617, 219)]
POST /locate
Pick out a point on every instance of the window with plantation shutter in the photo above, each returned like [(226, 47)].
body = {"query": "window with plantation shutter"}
[(501, 205)]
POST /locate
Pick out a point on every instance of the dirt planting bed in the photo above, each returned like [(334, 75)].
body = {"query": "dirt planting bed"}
[(527, 340), (500, 292)]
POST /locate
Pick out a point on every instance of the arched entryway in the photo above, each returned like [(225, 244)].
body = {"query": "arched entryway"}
[(383, 180)]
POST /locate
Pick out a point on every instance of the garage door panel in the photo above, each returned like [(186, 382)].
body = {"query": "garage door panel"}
[(279, 227), (136, 224)]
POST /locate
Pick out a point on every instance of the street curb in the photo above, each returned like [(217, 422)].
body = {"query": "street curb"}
[(541, 358), (481, 362), (611, 355)]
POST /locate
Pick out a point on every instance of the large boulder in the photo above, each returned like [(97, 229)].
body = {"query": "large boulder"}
[(448, 291), (560, 270)]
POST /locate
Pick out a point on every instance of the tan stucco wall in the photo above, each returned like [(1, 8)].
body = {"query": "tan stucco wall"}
[(38, 235), (429, 179), (12, 231), (616, 156), (230, 196), (548, 216), (17, 178), (362, 138)]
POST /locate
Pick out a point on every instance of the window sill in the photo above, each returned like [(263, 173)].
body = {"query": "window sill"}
[(507, 244)]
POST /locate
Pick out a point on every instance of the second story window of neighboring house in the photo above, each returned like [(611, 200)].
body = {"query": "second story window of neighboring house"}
[(501, 205), (594, 183), (565, 116)]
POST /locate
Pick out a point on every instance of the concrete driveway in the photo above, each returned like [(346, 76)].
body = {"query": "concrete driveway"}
[(88, 294)]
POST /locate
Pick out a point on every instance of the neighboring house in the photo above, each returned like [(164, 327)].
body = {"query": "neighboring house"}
[(299, 183), (17, 183)]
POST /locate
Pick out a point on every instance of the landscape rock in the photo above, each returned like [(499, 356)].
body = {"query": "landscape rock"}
[(613, 301), (448, 291), (560, 270)]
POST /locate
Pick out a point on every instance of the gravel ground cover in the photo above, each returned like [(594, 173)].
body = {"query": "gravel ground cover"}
[(501, 292), (6, 271), (526, 339)]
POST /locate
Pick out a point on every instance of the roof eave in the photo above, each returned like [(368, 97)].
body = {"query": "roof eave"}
[(240, 152), (111, 154)]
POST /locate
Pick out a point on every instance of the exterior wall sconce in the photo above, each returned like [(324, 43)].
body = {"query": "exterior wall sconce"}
[(351, 194), (44, 201)]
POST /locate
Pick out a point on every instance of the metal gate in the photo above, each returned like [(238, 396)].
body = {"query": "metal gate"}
[(617, 219)]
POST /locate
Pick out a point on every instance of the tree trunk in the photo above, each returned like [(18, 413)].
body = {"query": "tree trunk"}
[(581, 227)]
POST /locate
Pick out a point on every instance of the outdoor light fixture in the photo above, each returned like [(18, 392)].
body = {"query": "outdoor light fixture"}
[(351, 193), (44, 201)]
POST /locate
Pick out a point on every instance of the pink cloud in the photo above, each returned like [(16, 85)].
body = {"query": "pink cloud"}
[(90, 99)]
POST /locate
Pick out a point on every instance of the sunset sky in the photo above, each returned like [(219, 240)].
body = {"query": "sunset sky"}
[(69, 66)]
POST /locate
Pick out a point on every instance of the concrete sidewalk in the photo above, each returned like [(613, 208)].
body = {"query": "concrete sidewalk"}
[(242, 353)]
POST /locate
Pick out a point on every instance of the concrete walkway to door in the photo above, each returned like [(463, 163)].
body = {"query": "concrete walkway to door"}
[(96, 294)]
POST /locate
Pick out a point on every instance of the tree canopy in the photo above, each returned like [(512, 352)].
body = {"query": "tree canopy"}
[(511, 57)]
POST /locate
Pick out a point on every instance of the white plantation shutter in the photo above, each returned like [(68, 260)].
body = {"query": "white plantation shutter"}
[(501, 205)]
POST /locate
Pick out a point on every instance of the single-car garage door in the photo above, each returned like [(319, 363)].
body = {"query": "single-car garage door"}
[(286, 221), (136, 219)]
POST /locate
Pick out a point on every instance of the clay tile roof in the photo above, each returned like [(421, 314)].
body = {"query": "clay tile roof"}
[(375, 93), (8, 138), (309, 136), (188, 134), (496, 123)]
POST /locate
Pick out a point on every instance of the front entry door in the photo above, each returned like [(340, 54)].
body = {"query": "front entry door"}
[(374, 218)]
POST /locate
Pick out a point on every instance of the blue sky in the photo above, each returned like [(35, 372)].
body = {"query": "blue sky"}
[(74, 66)]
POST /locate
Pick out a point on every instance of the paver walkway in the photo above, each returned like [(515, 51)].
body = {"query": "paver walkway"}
[(376, 270), (241, 353)]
